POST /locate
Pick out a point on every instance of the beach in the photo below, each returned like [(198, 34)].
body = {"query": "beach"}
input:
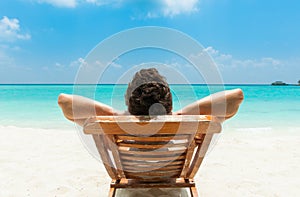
[(41, 153), (53, 162), (149, 58)]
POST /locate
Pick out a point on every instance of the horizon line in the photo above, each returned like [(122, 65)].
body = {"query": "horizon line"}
[(127, 84)]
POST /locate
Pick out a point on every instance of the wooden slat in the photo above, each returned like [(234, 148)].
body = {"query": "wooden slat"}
[(161, 163), (199, 138), (113, 188), (161, 118), (153, 153), (147, 128), (152, 138), (152, 143), (163, 149), (189, 156), (198, 158), (167, 183), (169, 124), (112, 192), (194, 192), (134, 158), (151, 146), (111, 143), (152, 156), (101, 146), (143, 169), (152, 179), (154, 172), (149, 175)]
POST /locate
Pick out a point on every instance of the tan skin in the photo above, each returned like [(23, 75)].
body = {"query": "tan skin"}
[(84, 108)]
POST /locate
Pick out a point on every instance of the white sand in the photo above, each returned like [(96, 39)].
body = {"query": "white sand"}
[(37, 162)]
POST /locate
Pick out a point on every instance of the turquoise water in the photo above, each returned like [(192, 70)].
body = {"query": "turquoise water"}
[(36, 106)]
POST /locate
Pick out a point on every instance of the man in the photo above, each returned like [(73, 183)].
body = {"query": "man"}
[(149, 94)]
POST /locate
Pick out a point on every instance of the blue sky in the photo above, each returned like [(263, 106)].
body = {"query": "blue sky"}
[(251, 41)]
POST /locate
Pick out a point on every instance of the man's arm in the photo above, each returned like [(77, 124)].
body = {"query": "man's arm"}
[(78, 108), (223, 105)]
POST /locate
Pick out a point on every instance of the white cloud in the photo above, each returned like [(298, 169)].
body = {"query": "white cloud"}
[(10, 30), (59, 66), (151, 9), (75, 3), (227, 60), (175, 7), (105, 2), (81, 61), (167, 8), (60, 3), (73, 64), (250, 70), (115, 65)]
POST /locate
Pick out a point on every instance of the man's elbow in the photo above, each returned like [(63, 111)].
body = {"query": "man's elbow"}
[(65, 103), (239, 94), (233, 105), (63, 100)]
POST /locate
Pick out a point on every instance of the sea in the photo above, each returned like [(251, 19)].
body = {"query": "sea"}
[(264, 108)]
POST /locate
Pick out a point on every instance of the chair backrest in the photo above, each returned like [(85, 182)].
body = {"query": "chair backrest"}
[(152, 148)]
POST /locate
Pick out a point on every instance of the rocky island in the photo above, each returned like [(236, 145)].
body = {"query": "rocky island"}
[(278, 83)]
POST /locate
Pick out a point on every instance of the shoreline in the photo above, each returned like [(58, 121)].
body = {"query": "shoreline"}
[(228, 126), (55, 162)]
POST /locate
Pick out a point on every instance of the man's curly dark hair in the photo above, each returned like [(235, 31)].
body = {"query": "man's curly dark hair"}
[(148, 94)]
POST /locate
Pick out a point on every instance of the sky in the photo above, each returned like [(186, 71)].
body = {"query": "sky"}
[(251, 41)]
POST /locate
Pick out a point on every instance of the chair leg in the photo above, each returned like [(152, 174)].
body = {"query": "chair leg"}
[(112, 192), (194, 192)]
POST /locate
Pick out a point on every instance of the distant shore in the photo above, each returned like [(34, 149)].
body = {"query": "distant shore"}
[(281, 83)]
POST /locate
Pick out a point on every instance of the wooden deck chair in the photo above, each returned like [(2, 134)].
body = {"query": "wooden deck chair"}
[(158, 152)]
